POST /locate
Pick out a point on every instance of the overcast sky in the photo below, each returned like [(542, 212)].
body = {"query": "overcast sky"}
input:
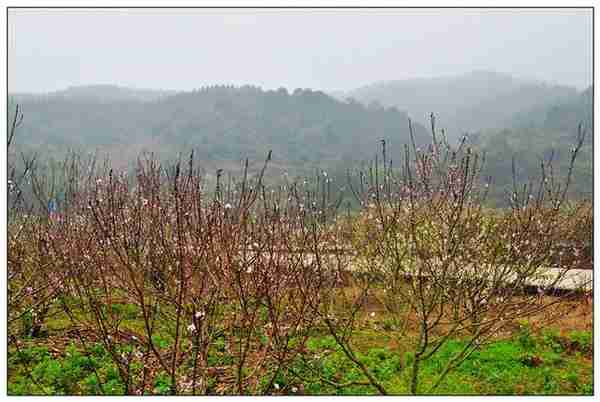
[(320, 49)]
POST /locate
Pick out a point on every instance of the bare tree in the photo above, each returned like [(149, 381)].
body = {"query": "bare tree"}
[(448, 266)]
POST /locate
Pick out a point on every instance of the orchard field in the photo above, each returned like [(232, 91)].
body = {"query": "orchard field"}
[(400, 281)]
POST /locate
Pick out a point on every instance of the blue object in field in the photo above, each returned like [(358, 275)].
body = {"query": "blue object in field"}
[(52, 207)]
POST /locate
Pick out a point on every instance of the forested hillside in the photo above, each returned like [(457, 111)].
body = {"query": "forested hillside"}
[(222, 123), (464, 103), (542, 132), (305, 129)]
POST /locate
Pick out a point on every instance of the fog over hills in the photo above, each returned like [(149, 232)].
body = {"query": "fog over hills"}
[(101, 92), (463, 103), (222, 122)]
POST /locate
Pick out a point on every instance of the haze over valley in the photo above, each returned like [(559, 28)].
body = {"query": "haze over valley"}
[(310, 129)]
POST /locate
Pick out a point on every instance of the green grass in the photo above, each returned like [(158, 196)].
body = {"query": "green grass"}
[(523, 365), (526, 364), (34, 371)]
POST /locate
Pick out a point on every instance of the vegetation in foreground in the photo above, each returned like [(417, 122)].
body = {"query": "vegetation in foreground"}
[(163, 287), (527, 361)]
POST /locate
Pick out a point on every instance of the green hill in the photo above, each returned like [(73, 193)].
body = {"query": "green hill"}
[(464, 103), (222, 123), (539, 133)]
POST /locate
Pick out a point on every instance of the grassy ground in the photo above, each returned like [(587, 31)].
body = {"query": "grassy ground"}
[(524, 364), (530, 358)]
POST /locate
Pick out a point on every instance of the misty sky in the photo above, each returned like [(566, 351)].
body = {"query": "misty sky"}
[(320, 49)]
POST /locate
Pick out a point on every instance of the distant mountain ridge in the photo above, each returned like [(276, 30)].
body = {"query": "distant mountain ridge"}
[(539, 133), (463, 103), (99, 92), (220, 122), (304, 128), (563, 115)]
